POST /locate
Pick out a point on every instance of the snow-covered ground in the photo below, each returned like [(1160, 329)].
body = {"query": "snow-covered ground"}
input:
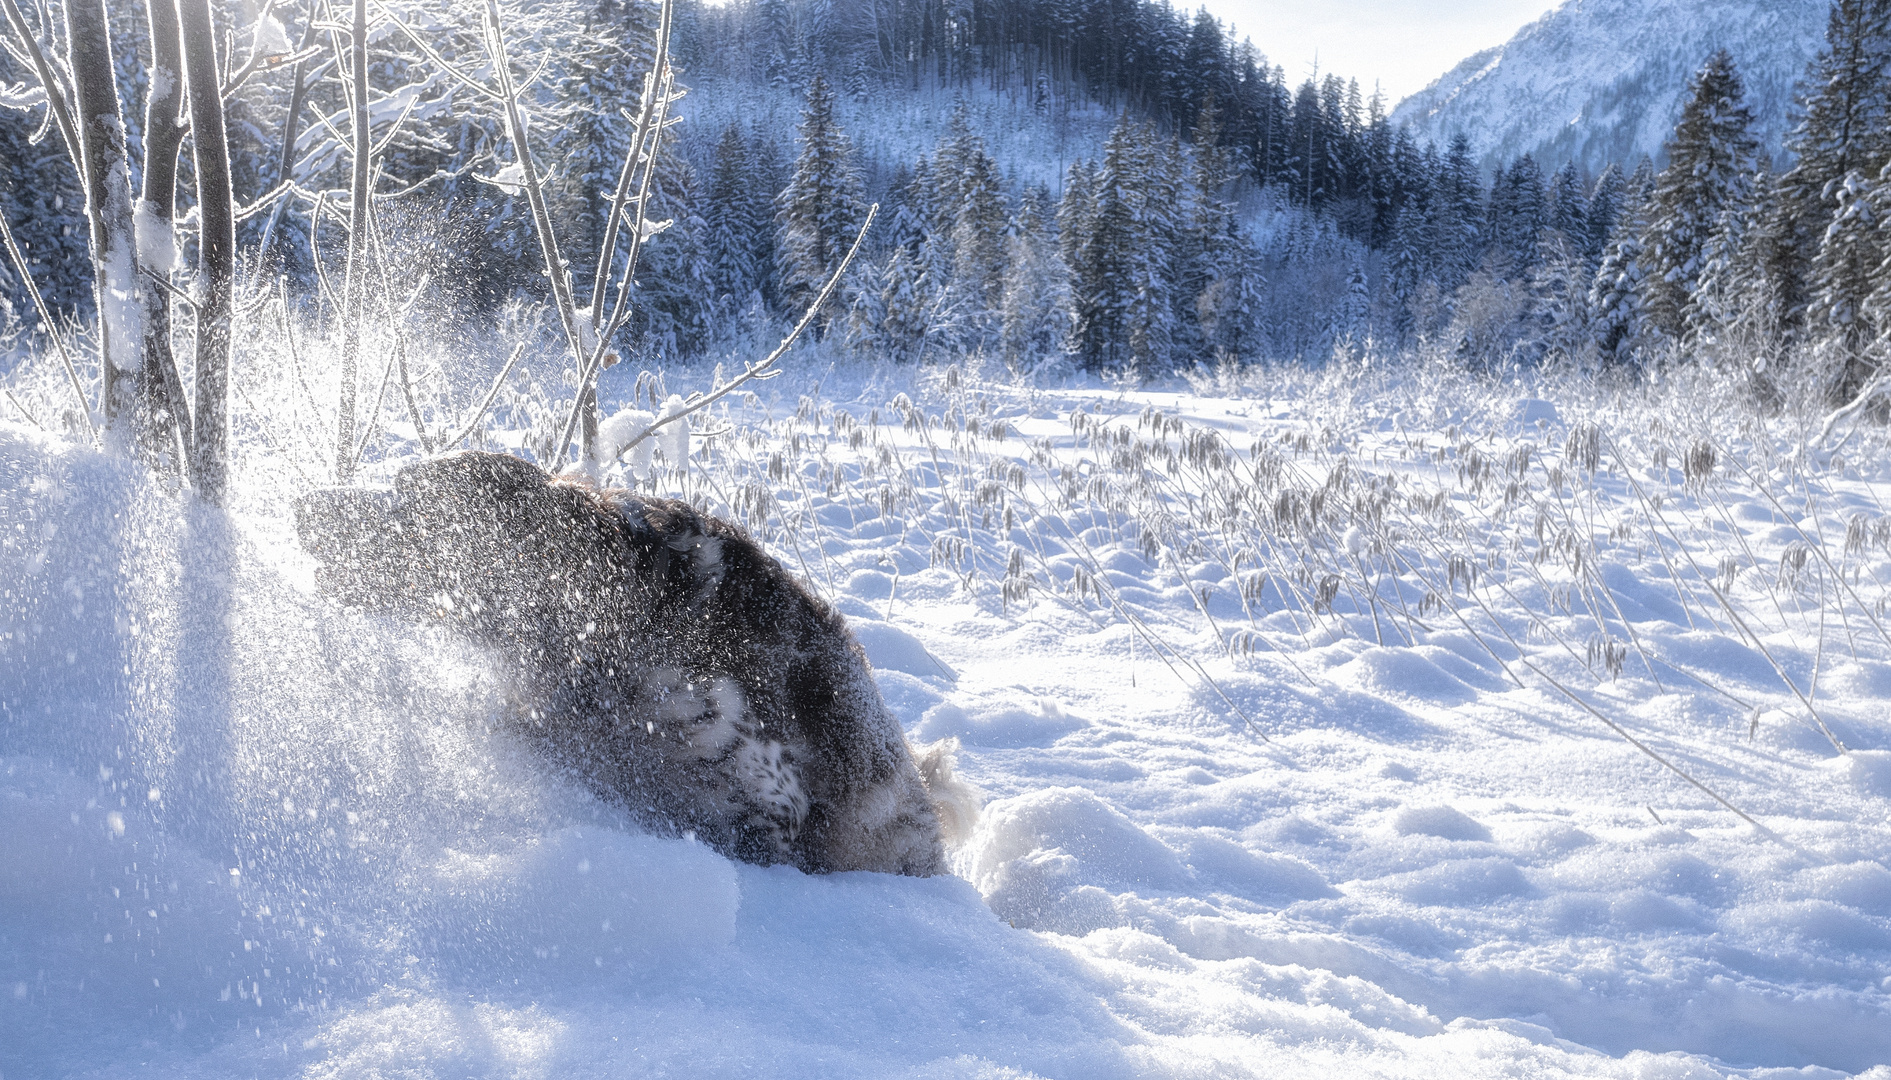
[(1291, 699)]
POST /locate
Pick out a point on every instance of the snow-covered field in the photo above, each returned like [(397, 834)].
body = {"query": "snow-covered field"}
[(1294, 701)]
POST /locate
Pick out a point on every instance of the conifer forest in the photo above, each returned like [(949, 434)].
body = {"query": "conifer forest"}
[(961, 539), (1227, 214)]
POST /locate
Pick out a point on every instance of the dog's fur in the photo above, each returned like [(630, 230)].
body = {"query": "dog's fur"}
[(656, 652)]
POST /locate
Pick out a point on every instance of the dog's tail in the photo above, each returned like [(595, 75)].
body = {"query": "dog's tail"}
[(955, 801)]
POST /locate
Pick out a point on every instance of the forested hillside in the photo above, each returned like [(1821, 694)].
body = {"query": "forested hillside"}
[(1111, 184)]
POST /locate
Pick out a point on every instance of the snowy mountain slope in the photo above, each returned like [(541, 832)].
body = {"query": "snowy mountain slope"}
[(1601, 81), (244, 833)]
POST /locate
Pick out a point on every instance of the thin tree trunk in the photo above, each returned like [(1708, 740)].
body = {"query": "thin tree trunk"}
[(108, 210), (291, 125), (216, 249), (163, 137), (357, 274)]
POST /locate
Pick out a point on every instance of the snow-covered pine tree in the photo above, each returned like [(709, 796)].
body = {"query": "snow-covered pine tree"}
[(910, 221), (606, 75), (1458, 232), (730, 243), (865, 312), (1843, 273), (1205, 245), (1151, 190), (1732, 317), (1568, 207), (44, 205), (675, 285), (1349, 318), (1229, 310), (1845, 127), (1605, 207), (1409, 259), (766, 177), (1517, 215), (1036, 311), (819, 211), (1101, 286), (1381, 157), (1711, 160), (1615, 296), (1557, 325), (949, 161), (1076, 212), (978, 231)]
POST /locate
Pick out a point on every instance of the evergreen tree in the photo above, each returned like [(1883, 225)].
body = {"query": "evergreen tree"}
[(896, 319), (1615, 297), (1076, 212), (1410, 260), (1151, 189), (45, 207), (1101, 286), (1381, 161), (731, 241), (1210, 226), (675, 286), (1568, 209), (906, 225), (1605, 206), (1845, 128), (1036, 312), (1557, 326), (1517, 215), (1843, 273), (1711, 160), (1457, 229), (1733, 318), (1349, 319), (819, 211), (606, 75), (766, 177), (1229, 310), (978, 231)]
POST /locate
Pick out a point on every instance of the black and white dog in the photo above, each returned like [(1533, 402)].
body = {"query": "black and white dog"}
[(658, 653)]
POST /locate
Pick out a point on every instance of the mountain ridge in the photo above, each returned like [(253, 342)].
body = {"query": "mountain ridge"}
[(1600, 81)]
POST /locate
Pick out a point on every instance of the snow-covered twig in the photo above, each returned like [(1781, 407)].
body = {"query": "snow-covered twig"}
[(761, 370), (257, 56), (439, 61), (659, 83), (46, 320), (479, 413), (56, 105), (1852, 408), (534, 191)]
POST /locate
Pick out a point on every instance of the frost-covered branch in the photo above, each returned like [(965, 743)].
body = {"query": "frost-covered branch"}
[(56, 107), (765, 369), (534, 189), (52, 330)]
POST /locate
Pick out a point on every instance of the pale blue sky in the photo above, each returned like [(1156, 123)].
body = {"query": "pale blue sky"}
[(1404, 44)]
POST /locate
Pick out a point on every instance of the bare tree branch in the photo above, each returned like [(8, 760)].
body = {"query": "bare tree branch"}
[(56, 108), (762, 370), (52, 329)]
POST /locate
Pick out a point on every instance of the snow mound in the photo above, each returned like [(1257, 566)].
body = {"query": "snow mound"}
[(1440, 821), (1040, 724)]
